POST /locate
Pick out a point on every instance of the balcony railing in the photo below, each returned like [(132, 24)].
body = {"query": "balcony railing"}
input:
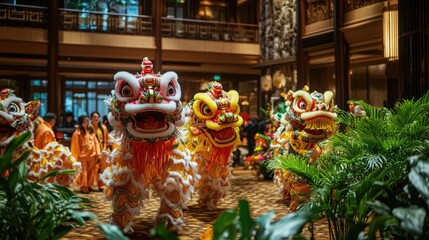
[(209, 30), (89, 21), (23, 16)]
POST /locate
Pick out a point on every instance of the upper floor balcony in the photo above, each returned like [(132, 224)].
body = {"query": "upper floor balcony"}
[(361, 22), (187, 45), (114, 23), (319, 13)]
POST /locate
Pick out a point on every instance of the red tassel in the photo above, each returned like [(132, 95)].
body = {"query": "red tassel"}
[(220, 155), (151, 157)]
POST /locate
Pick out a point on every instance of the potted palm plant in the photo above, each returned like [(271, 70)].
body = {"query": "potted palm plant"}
[(372, 150), (30, 210)]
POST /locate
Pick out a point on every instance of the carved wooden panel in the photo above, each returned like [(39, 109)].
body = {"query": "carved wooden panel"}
[(278, 29)]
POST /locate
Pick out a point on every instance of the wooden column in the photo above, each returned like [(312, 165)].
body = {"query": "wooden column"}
[(157, 29), (24, 91), (54, 91), (301, 57), (342, 60)]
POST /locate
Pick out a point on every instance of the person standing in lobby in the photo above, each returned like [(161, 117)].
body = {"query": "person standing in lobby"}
[(86, 149), (45, 133), (102, 135), (69, 121)]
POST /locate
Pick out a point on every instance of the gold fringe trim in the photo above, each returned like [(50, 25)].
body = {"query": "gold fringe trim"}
[(322, 124)]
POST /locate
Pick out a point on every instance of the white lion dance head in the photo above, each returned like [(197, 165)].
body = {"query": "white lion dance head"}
[(145, 110), (14, 119)]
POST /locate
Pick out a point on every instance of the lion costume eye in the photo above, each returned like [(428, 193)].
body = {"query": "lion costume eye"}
[(171, 90), (302, 104), (126, 90), (127, 87), (13, 108), (205, 109)]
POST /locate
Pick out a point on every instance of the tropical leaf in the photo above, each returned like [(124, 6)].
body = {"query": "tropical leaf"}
[(17, 142), (39, 211), (419, 176), (404, 215), (246, 221), (290, 225), (226, 225), (6, 161), (411, 219), (112, 232), (230, 224), (298, 165), (55, 173)]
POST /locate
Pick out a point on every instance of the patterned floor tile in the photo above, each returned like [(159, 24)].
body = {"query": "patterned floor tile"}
[(262, 196)]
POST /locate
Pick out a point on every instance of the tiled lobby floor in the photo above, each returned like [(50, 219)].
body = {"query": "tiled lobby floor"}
[(262, 196)]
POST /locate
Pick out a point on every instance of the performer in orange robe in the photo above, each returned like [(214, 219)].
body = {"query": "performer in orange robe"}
[(85, 147), (44, 133), (102, 135)]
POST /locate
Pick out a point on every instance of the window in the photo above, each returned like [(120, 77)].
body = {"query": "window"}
[(39, 83), (212, 11), (43, 97), (40, 92), (175, 8), (91, 85), (84, 97), (102, 106)]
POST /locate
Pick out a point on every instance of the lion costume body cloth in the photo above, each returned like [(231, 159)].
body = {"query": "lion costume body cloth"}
[(145, 110), (14, 120), (211, 133), (309, 119)]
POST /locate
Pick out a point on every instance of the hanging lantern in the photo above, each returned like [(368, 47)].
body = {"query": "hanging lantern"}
[(390, 30), (266, 83), (279, 80)]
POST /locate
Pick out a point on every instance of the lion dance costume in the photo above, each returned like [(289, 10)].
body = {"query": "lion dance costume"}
[(309, 119), (212, 132), (145, 110), (14, 120)]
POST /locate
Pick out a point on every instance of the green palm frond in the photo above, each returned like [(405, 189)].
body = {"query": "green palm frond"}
[(408, 114), (345, 146), (344, 117), (322, 174), (404, 113), (393, 144), (373, 112), (298, 165), (374, 161), (366, 189)]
